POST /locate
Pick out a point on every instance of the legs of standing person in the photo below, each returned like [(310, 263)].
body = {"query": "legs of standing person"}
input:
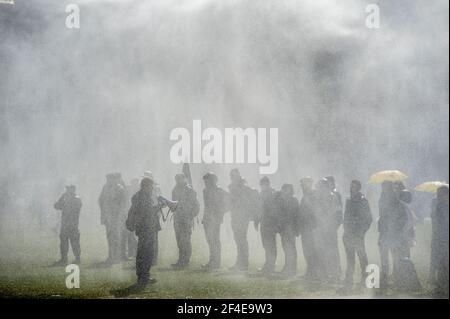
[(350, 251), (384, 259), (334, 258), (290, 251), (212, 232), (240, 229), (362, 255), (64, 245), (268, 237), (75, 244), (144, 256), (183, 237), (309, 252)]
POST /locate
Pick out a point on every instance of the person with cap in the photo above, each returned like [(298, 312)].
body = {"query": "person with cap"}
[(112, 202), (307, 226), (270, 225), (183, 219), (70, 206), (144, 221), (216, 204), (357, 221), (244, 208)]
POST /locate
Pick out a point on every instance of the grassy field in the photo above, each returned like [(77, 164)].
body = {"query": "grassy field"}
[(25, 270)]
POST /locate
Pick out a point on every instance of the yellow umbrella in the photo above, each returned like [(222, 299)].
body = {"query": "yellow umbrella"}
[(430, 187), (390, 175)]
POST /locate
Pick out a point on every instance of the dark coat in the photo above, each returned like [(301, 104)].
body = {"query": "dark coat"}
[(112, 202), (392, 221), (217, 203), (289, 212), (440, 222), (357, 216), (270, 214), (188, 205), (308, 208), (245, 201), (70, 207), (143, 214)]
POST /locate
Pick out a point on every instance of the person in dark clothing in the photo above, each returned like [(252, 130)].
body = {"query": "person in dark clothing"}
[(357, 221), (434, 257), (339, 219), (270, 225), (395, 228), (216, 204), (144, 221), (307, 226), (243, 207), (440, 240), (128, 242), (288, 207), (328, 223), (70, 206), (405, 198), (156, 193), (183, 221), (112, 202), (386, 206)]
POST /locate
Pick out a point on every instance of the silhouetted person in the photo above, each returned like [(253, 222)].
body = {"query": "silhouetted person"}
[(243, 207), (112, 202), (144, 221), (156, 192), (405, 275), (440, 240), (70, 206), (288, 208), (339, 219), (357, 221), (183, 220), (216, 204), (394, 226), (386, 206), (405, 198), (270, 225), (307, 226), (128, 242), (328, 222)]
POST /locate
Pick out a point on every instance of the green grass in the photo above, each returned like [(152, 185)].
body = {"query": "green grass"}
[(25, 271)]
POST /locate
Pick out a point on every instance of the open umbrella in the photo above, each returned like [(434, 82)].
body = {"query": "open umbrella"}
[(430, 187), (390, 175)]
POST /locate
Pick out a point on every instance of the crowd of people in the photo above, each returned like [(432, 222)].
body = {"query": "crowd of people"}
[(137, 209)]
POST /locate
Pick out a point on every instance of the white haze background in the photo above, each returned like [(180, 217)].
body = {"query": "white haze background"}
[(348, 101)]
